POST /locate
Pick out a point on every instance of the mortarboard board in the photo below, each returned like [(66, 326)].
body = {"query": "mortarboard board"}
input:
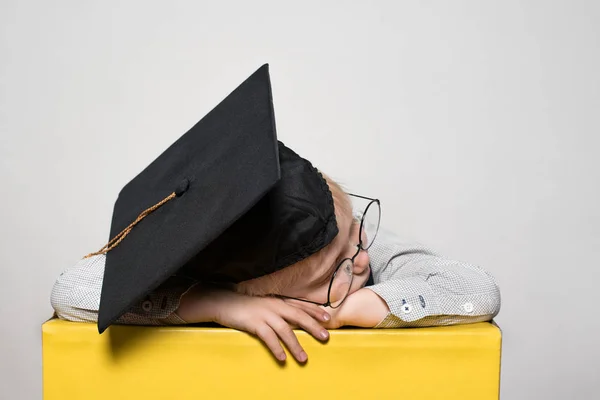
[(226, 202)]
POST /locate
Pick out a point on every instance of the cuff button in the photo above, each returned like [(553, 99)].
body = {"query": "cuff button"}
[(147, 306)]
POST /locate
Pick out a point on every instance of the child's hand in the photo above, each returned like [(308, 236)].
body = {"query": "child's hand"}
[(270, 319), (363, 308)]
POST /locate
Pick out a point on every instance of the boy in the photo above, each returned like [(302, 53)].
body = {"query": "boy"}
[(412, 287), (254, 238)]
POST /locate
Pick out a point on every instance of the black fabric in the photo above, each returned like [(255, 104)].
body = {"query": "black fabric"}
[(370, 281), (294, 220), (245, 205)]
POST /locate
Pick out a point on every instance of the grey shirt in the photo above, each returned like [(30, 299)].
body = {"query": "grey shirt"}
[(419, 287)]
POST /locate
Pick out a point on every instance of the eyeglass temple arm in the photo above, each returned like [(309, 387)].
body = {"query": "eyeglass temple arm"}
[(361, 197)]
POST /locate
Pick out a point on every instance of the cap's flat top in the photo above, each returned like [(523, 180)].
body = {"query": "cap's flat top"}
[(226, 163)]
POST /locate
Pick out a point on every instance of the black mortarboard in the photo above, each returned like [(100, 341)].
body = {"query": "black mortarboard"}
[(226, 202)]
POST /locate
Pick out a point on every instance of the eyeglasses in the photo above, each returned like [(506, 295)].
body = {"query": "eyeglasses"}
[(341, 281)]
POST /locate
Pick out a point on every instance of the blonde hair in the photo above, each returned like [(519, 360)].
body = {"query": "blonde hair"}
[(278, 281)]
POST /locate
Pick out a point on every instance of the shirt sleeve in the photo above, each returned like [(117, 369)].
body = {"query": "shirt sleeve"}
[(422, 288), (76, 296)]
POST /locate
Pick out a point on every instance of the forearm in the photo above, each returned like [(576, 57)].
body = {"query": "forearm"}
[(422, 288), (445, 294), (363, 308), (76, 297), (198, 304)]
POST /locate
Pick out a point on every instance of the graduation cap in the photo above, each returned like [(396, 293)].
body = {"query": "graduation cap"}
[(226, 202)]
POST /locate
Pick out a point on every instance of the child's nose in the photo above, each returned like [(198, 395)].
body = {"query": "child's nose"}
[(361, 262)]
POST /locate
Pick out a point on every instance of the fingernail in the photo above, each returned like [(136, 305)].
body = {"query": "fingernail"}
[(324, 334), (302, 357), (326, 317), (281, 357)]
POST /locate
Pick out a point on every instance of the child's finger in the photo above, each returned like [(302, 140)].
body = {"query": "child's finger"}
[(302, 319), (270, 339), (311, 309), (287, 336)]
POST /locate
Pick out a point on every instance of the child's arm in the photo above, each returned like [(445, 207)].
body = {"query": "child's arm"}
[(268, 318), (76, 296), (415, 287)]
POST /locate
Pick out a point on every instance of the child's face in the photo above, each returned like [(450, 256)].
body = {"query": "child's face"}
[(314, 286)]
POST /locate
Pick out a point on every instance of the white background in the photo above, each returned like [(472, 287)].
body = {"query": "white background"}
[(475, 122)]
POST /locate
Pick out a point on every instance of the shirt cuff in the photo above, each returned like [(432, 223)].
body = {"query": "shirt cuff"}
[(408, 299), (160, 306)]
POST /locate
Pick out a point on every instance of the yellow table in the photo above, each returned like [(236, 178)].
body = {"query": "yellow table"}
[(128, 362)]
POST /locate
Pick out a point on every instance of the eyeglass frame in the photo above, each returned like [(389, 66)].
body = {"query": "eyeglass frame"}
[(359, 247)]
